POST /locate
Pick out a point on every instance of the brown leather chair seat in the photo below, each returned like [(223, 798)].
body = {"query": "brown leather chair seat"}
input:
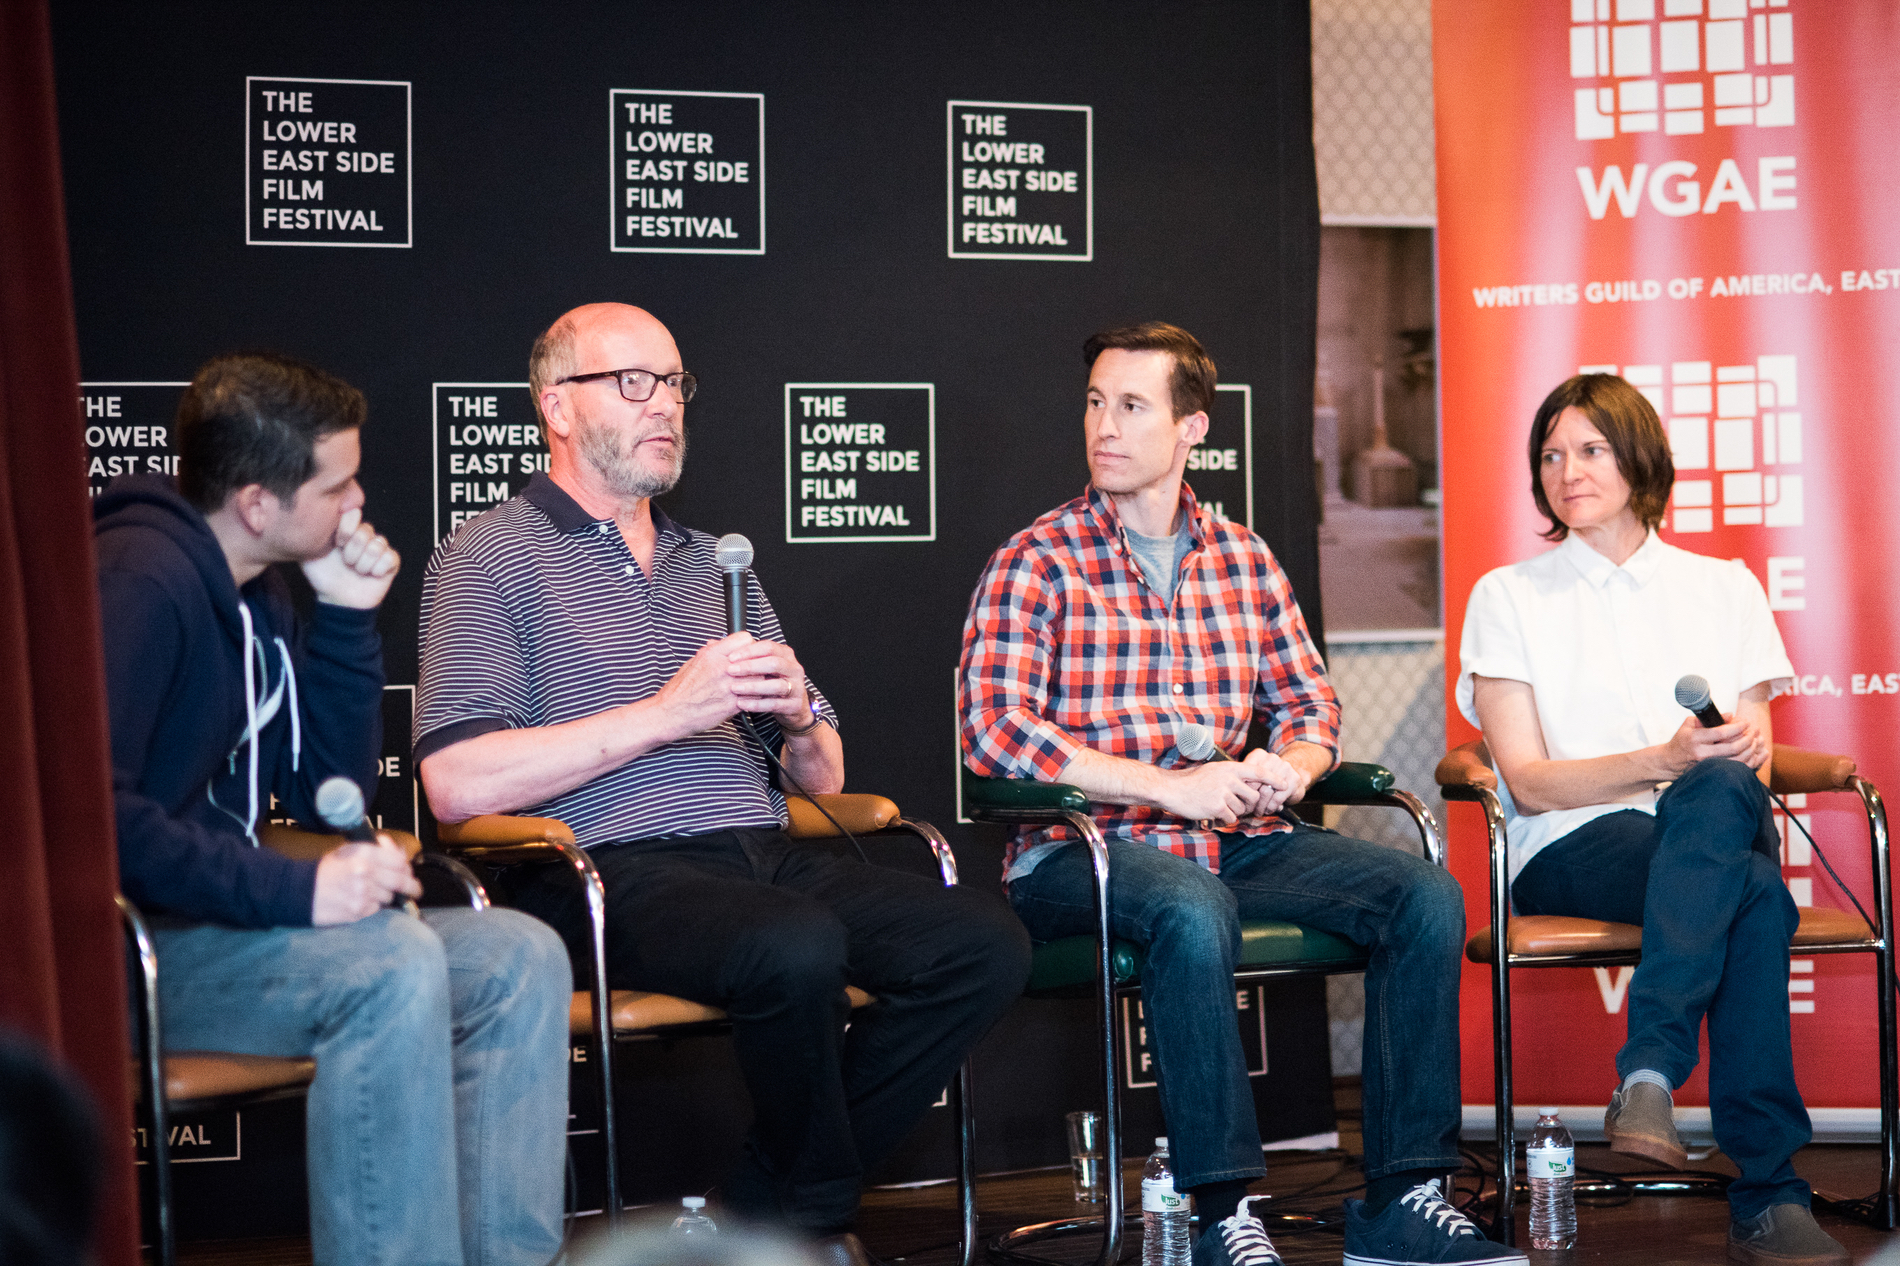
[(633, 1010), (219, 1075), (1543, 935)]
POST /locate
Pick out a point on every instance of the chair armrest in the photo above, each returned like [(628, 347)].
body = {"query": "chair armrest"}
[(1351, 782), (858, 814), (310, 846), (1022, 797), (1796, 771), (491, 829), (503, 838), (1466, 765)]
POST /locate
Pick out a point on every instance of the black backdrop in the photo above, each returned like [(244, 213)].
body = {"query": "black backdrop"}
[(1204, 212)]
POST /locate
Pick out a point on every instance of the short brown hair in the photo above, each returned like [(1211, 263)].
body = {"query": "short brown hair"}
[(1629, 422), (1190, 382), (255, 418)]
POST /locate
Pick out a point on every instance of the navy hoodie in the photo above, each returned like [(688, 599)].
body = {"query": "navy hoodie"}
[(175, 643)]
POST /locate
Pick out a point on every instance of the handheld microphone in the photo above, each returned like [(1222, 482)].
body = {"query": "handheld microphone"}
[(1196, 742), (1692, 692), (733, 553), (340, 805), (734, 556)]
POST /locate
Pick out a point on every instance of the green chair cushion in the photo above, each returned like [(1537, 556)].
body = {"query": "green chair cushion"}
[(1353, 780), (1066, 966)]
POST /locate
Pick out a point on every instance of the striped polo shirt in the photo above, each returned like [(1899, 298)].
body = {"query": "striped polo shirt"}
[(535, 613)]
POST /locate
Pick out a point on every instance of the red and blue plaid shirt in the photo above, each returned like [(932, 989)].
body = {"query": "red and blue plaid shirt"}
[(1067, 647)]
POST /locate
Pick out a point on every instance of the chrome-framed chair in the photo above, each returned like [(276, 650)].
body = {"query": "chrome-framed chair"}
[(179, 1082), (608, 1016), (1465, 774), (1108, 967)]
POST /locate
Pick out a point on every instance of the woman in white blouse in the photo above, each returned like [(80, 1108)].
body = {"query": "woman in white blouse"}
[(1620, 806)]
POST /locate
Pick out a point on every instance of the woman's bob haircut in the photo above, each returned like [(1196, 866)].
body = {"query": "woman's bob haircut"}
[(1629, 422)]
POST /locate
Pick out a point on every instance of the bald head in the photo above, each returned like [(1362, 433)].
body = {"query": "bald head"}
[(578, 333)]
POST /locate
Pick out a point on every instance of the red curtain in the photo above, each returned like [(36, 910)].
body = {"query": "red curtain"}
[(63, 981)]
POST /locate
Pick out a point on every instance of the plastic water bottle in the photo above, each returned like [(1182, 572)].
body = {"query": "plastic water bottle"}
[(1167, 1235), (1551, 1164), (694, 1220)]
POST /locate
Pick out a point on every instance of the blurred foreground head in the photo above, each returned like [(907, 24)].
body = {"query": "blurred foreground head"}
[(656, 1245)]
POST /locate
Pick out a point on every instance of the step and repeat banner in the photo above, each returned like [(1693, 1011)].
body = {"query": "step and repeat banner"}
[(1692, 194), (879, 234)]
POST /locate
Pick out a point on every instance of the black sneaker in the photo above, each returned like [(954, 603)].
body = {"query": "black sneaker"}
[(1418, 1228), (1238, 1241)]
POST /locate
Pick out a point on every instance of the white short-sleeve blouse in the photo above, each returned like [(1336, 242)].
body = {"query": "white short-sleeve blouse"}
[(1602, 647)]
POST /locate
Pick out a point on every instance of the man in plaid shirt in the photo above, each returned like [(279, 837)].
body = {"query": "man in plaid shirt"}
[(1095, 634)]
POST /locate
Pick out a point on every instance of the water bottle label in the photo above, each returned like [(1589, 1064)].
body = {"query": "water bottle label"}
[(1550, 1162), (1159, 1196)]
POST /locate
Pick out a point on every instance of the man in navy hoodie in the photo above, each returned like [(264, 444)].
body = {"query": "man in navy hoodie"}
[(437, 1119)]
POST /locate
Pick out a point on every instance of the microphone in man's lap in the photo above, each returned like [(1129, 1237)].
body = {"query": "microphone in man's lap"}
[(733, 554), (340, 805), (1692, 692), (1196, 742)]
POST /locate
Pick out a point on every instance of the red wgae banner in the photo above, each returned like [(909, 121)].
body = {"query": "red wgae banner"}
[(1697, 195)]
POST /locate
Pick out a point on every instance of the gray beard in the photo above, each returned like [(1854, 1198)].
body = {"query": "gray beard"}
[(601, 448)]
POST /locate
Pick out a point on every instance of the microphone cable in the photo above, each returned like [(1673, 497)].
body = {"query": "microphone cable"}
[(1872, 927), (745, 719)]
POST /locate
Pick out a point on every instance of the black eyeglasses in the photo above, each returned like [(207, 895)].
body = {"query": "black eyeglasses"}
[(638, 385)]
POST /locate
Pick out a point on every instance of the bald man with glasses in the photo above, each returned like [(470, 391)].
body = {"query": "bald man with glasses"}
[(576, 664)]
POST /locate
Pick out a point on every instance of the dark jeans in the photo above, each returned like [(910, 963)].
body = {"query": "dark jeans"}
[(1703, 878), (772, 932), (1407, 911)]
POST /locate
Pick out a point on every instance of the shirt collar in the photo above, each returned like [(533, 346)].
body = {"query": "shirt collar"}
[(1597, 570), (1101, 512), (567, 515)]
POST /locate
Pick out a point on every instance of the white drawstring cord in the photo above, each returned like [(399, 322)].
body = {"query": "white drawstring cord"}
[(250, 713), (259, 714), (296, 720)]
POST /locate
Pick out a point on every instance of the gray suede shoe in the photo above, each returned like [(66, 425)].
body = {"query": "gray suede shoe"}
[(1783, 1235), (1642, 1122)]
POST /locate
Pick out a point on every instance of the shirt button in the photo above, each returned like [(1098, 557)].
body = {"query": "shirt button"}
[(628, 569), (1178, 688)]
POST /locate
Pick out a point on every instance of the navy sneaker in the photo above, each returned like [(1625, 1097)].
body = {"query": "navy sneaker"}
[(1417, 1228), (1237, 1241)]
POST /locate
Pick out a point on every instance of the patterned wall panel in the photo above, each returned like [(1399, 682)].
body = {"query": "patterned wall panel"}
[(1372, 111)]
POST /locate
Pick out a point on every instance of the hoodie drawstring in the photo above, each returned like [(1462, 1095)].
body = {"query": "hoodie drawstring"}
[(250, 714), (258, 715), (296, 718)]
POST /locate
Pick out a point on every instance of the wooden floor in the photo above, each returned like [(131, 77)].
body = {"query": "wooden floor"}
[(918, 1225)]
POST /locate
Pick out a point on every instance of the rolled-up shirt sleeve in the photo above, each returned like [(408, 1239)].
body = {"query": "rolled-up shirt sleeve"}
[(1003, 680)]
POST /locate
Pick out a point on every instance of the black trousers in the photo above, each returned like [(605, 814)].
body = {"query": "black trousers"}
[(772, 932)]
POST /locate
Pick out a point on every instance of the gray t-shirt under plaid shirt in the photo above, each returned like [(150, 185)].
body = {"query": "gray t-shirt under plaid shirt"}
[(1160, 558), (535, 613)]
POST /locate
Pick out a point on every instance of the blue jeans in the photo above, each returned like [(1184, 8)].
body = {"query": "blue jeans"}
[(438, 1119), (1408, 912), (1703, 878)]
